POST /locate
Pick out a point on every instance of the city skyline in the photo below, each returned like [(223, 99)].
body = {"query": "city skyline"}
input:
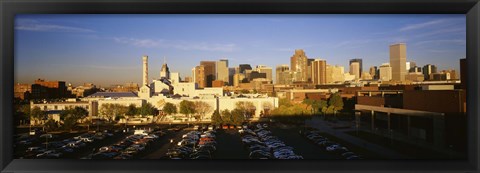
[(106, 49)]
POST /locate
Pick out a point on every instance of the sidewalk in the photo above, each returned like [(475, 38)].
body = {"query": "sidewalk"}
[(322, 125)]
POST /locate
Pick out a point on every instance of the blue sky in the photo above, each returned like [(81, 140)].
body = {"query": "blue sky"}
[(107, 49)]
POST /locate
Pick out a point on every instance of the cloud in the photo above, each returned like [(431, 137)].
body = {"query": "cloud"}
[(34, 25), (103, 67), (422, 25), (429, 24), (452, 41), (177, 44)]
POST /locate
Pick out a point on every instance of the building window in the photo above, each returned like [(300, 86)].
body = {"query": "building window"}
[(44, 107), (56, 107), (86, 107)]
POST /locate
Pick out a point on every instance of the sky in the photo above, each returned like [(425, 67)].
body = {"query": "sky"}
[(108, 49)]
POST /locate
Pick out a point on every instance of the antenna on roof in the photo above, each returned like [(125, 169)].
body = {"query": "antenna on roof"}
[(164, 60)]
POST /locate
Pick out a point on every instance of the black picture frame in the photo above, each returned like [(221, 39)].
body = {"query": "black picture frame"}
[(9, 8)]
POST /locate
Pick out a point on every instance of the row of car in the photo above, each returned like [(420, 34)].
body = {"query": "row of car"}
[(263, 145), (126, 148), (58, 148), (194, 145), (315, 137)]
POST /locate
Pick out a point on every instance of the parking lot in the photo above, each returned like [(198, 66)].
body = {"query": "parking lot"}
[(254, 141)]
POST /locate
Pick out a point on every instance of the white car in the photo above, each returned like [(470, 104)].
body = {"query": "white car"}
[(335, 147)]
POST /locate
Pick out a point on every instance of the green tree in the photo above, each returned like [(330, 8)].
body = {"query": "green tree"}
[(70, 117), (216, 118), (111, 111), (37, 114), (237, 117), (132, 110), (147, 109), (284, 102), (336, 101), (187, 108), (169, 108), (227, 117), (51, 125)]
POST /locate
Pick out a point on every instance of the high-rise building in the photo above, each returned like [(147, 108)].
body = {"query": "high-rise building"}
[(398, 61), (210, 72), (360, 64), (409, 65), (373, 72), (309, 71), (319, 72), (385, 72), (355, 69), (266, 70), (337, 74), (199, 76), (231, 71), (279, 77), (243, 67), (222, 70), (415, 70), (299, 64), (238, 78), (429, 69), (328, 74)]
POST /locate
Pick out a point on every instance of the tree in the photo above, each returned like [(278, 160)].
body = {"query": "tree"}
[(70, 117), (336, 101), (111, 111), (309, 103), (147, 109), (217, 118), (51, 125), (284, 102), (267, 106), (131, 110), (187, 108), (202, 108), (237, 117), (227, 117), (169, 108), (248, 108), (37, 114)]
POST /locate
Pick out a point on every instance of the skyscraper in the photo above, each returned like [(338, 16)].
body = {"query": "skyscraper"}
[(222, 70), (360, 64), (266, 70), (279, 75), (199, 76), (410, 65), (373, 72), (355, 69), (385, 72), (231, 71), (309, 69), (319, 71), (209, 72), (398, 61), (429, 69), (299, 64), (243, 67)]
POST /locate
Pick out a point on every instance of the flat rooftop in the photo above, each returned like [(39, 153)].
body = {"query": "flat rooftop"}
[(113, 94)]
